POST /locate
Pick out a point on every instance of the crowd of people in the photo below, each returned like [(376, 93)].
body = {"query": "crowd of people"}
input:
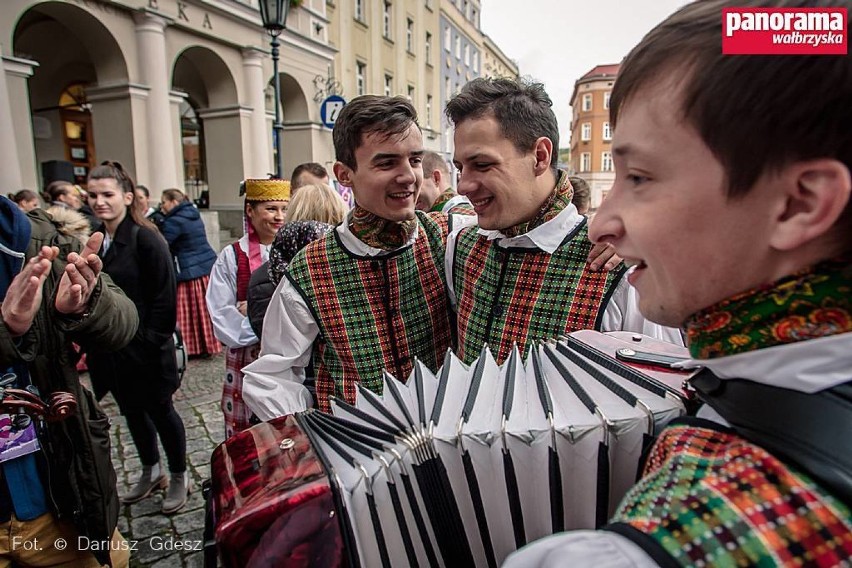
[(325, 291)]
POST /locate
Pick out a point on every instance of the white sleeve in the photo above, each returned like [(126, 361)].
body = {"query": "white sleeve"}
[(230, 326), (459, 222), (622, 314), (273, 384), (581, 548)]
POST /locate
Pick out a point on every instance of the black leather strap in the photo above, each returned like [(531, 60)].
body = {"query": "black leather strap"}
[(557, 506), (514, 500), (479, 509), (403, 526), (810, 431), (377, 528)]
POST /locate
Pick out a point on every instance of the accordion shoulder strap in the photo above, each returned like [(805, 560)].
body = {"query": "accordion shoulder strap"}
[(806, 430)]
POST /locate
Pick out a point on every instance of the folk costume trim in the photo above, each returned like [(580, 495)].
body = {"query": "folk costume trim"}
[(380, 233), (709, 497), (811, 304), (374, 313), (442, 200), (553, 206), (518, 295)]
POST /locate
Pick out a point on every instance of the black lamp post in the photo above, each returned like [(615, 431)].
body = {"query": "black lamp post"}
[(274, 16)]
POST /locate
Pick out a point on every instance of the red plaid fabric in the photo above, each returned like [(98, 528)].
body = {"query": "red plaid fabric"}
[(193, 318), (237, 414)]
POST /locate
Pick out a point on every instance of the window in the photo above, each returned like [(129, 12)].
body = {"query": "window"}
[(409, 35), (429, 48), (607, 131), (606, 99), (359, 10), (586, 131), (467, 54), (458, 47), (411, 93), (587, 102), (476, 62), (448, 89), (464, 6), (473, 17), (585, 162), (360, 78), (428, 111), (386, 20), (388, 85), (606, 161), (448, 43)]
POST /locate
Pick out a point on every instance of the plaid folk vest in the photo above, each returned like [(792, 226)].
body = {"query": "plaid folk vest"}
[(710, 498), (518, 295), (374, 313)]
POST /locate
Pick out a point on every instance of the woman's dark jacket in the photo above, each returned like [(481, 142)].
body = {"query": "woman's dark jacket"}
[(76, 467), (184, 231), (144, 372), (259, 294)]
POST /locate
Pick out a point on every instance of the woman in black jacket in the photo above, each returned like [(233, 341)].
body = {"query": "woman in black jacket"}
[(193, 258), (142, 376)]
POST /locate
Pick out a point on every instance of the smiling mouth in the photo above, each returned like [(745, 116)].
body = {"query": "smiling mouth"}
[(401, 195), (481, 203)]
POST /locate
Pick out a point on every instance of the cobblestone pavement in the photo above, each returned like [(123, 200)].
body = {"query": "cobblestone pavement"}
[(157, 535)]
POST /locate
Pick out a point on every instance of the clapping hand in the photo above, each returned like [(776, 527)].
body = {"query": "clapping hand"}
[(80, 277), (23, 298)]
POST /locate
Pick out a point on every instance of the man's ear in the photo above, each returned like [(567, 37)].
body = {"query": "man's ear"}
[(343, 173), (543, 152), (816, 194), (437, 177)]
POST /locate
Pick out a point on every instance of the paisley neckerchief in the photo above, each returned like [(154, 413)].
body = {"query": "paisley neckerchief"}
[(813, 303), (442, 199), (380, 233), (553, 205)]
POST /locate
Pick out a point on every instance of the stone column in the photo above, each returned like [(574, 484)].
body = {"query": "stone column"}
[(150, 33), (17, 152), (259, 162)]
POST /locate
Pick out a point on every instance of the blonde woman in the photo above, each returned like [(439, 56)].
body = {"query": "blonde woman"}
[(317, 202)]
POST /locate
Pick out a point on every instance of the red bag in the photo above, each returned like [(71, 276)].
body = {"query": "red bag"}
[(272, 502)]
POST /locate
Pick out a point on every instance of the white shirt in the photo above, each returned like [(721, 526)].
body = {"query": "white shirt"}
[(230, 326), (622, 310), (273, 383), (808, 366)]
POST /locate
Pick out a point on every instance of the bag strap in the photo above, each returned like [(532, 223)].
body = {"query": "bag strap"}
[(807, 430)]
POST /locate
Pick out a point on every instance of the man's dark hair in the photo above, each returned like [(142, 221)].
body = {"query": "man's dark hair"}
[(754, 112), (392, 116), (434, 161), (522, 108), (313, 168)]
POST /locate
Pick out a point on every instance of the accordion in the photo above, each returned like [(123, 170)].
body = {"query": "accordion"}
[(455, 469)]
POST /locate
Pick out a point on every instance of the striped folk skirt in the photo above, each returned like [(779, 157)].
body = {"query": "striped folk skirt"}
[(193, 318), (237, 414)]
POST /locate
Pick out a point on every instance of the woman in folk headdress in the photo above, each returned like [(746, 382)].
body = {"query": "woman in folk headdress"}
[(265, 204)]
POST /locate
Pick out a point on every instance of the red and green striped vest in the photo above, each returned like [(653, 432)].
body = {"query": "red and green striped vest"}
[(375, 313), (518, 295), (711, 498)]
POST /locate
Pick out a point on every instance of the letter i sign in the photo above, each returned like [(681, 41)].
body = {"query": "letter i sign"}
[(330, 109)]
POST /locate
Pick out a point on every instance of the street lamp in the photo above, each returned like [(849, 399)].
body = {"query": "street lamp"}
[(274, 16)]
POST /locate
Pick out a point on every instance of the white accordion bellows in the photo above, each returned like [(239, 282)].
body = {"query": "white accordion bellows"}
[(463, 468)]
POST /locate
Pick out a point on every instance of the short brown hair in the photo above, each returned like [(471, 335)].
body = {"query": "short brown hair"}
[(316, 202), (582, 197), (434, 161), (521, 107), (754, 112), (392, 116), (313, 168)]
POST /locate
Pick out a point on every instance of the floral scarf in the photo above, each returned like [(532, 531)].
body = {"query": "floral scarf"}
[(813, 303), (380, 233), (553, 205)]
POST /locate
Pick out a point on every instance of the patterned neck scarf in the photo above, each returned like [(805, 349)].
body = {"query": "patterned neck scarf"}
[(445, 196), (553, 205), (380, 233), (811, 304)]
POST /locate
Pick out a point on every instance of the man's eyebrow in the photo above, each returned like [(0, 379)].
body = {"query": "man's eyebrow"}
[(394, 156)]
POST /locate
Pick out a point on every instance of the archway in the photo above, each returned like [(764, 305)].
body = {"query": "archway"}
[(297, 139)]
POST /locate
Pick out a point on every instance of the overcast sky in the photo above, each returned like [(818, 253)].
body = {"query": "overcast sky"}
[(558, 41)]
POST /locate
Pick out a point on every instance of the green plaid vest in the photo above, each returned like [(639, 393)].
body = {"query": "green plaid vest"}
[(711, 498), (375, 313), (518, 295)]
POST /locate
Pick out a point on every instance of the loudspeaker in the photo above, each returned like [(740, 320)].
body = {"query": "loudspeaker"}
[(54, 170)]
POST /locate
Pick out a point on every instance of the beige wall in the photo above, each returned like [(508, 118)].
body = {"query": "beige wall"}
[(599, 181)]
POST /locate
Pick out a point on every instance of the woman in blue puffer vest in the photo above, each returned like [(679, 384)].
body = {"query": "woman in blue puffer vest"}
[(194, 258)]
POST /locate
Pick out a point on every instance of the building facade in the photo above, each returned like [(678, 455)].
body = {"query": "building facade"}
[(178, 91), (591, 133), (495, 62)]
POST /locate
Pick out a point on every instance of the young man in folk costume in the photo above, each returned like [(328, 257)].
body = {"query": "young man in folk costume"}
[(370, 295), (437, 193), (522, 274), (732, 195), (265, 205)]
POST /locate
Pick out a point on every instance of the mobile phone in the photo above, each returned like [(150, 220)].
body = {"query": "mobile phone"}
[(645, 358)]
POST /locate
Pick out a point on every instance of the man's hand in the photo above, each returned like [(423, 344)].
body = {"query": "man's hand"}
[(23, 299), (242, 307), (603, 257), (80, 278)]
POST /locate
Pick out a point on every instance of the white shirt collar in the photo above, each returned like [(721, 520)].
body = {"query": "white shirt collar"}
[(806, 366), (356, 246), (547, 236)]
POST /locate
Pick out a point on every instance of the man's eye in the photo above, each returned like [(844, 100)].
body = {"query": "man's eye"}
[(482, 165), (636, 179)]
